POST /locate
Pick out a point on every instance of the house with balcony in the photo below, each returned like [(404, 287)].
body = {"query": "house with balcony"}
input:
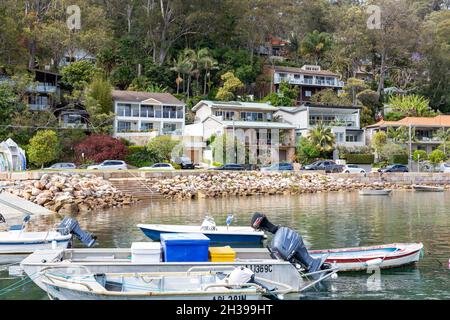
[(44, 93), (140, 116), (424, 130), (308, 80), (343, 120), (252, 123)]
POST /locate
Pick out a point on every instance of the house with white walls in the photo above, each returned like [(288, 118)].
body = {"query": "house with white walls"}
[(343, 120), (140, 116), (254, 121)]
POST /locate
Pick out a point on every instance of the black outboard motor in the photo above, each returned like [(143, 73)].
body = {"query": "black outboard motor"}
[(70, 225), (286, 243)]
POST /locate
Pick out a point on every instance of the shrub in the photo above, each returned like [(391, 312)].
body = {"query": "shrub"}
[(359, 158), (139, 156), (161, 147), (437, 156), (98, 148), (44, 147), (420, 155), (390, 149), (399, 158)]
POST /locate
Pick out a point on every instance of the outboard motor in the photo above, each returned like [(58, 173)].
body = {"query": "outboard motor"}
[(287, 244), (70, 225)]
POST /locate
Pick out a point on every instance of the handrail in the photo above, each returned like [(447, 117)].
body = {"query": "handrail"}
[(140, 181), (188, 272), (234, 286)]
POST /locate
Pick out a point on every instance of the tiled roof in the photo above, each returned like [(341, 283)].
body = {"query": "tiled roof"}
[(438, 121), (139, 96), (301, 71)]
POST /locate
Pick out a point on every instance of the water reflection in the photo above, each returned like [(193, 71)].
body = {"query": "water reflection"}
[(325, 220)]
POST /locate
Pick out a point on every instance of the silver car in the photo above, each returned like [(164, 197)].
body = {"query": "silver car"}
[(109, 165), (61, 165)]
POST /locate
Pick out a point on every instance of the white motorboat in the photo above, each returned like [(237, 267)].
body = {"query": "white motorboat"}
[(16, 243), (423, 188), (217, 234), (375, 192)]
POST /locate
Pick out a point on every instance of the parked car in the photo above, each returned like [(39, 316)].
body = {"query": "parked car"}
[(159, 167), (231, 166), (109, 165), (394, 168), (62, 165), (184, 162), (279, 167), (444, 167), (353, 168), (327, 165), (447, 170)]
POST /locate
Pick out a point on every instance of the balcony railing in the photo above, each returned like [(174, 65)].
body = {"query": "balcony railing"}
[(326, 83), (39, 106), (336, 123)]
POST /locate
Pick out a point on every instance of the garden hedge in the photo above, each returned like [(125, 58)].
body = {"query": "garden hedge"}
[(359, 158), (399, 159)]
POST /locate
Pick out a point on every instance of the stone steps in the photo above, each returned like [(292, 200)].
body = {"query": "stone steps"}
[(136, 187)]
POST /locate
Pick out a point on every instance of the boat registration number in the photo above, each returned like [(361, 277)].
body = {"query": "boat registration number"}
[(260, 268), (232, 297)]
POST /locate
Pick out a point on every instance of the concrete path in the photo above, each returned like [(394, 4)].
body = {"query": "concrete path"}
[(14, 207)]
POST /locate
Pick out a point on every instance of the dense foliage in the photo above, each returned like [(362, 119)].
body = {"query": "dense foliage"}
[(43, 148), (97, 148)]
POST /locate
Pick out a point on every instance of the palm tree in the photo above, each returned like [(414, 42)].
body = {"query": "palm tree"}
[(316, 44), (207, 63), (413, 105), (322, 138), (401, 134), (178, 67), (444, 136)]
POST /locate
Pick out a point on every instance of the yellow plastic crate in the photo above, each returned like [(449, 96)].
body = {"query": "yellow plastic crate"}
[(222, 254)]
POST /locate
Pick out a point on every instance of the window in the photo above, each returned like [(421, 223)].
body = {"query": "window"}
[(146, 126), (124, 110), (251, 116), (157, 111), (123, 126), (180, 113), (351, 138), (308, 93), (169, 127), (147, 111), (169, 112), (308, 79)]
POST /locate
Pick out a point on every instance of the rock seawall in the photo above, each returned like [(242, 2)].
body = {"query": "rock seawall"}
[(210, 185), (70, 193)]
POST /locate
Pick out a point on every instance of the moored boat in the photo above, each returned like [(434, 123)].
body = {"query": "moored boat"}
[(375, 192), (383, 256), (423, 188), (237, 284), (16, 243), (216, 234)]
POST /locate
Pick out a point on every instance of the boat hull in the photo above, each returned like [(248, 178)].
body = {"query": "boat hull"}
[(118, 261), (375, 192), (59, 293), (221, 236), (383, 257), (428, 189)]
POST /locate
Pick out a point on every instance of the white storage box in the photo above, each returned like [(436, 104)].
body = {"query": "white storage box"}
[(145, 252)]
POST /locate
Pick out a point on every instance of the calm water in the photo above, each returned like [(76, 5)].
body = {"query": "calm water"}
[(325, 221)]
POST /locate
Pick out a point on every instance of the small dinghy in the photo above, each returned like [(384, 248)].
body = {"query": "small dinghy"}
[(362, 258), (217, 234), (375, 192), (239, 284), (16, 242), (427, 188)]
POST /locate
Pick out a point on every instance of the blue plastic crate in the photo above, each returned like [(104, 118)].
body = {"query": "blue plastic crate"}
[(185, 247)]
